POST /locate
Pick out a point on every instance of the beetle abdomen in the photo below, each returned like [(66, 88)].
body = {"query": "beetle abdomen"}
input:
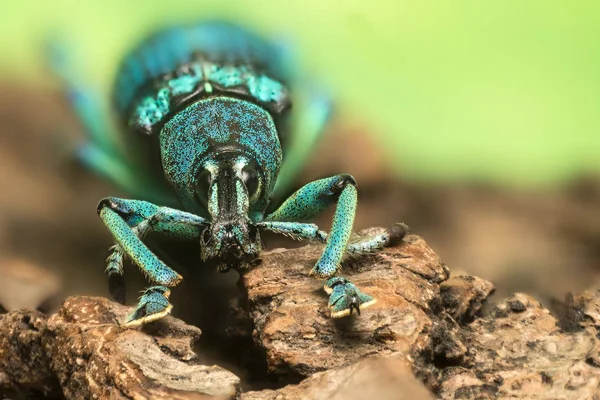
[(178, 66)]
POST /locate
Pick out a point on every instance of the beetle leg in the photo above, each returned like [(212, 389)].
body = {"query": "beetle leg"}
[(114, 269), (311, 200), (306, 203), (366, 245), (129, 221), (314, 198), (370, 244), (295, 230), (345, 297), (154, 304)]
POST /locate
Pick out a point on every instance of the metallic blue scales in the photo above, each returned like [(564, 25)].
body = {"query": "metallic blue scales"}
[(178, 63), (214, 110), (165, 52), (213, 127), (203, 76)]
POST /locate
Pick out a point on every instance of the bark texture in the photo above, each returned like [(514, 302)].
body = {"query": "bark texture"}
[(428, 336), (82, 352)]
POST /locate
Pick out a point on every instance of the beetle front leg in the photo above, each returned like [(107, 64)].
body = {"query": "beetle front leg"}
[(153, 305), (305, 204), (129, 221), (313, 199), (344, 296)]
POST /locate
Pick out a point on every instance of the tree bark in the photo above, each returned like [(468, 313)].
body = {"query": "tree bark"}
[(424, 324)]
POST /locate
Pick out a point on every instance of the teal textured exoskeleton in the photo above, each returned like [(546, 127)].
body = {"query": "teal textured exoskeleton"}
[(211, 141)]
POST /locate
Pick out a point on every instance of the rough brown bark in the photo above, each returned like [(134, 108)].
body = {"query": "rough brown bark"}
[(424, 323), (520, 351), (292, 320), (516, 350), (82, 352), (371, 378)]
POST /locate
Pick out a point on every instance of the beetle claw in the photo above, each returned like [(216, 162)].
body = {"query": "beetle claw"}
[(153, 305), (345, 297)]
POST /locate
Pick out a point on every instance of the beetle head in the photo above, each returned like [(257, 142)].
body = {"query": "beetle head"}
[(228, 185)]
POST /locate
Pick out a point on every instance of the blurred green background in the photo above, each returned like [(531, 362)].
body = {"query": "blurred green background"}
[(502, 91)]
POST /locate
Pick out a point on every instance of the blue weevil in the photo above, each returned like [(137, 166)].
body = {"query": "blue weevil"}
[(208, 111)]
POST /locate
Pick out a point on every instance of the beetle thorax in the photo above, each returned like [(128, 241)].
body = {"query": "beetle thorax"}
[(219, 130)]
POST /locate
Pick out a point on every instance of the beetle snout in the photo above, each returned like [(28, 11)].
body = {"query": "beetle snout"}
[(234, 237), (231, 243)]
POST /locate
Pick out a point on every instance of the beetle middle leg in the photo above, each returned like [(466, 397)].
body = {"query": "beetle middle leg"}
[(129, 221), (364, 245)]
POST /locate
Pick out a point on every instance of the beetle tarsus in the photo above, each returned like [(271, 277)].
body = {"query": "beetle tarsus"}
[(153, 305), (345, 297)]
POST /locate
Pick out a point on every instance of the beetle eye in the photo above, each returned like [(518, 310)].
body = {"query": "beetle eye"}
[(203, 186), (250, 178)]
